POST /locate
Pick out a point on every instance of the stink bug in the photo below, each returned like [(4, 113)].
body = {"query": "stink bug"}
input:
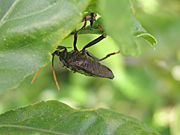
[(81, 61)]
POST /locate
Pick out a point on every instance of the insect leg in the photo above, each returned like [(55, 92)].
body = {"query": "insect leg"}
[(62, 47), (75, 35), (55, 53), (96, 40), (88, 53), (91, 17), (109, 55)]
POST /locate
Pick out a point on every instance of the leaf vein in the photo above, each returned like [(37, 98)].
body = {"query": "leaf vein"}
[(8, 12), (32, 128)]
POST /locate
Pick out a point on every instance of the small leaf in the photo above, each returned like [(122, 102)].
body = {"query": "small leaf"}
[(148, 37), (53, 117), (141, 32), (30, 30)]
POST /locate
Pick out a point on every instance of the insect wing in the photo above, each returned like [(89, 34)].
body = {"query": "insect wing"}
[(89, 66)]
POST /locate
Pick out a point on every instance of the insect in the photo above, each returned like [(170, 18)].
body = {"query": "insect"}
[(81, 61), (91, 17)]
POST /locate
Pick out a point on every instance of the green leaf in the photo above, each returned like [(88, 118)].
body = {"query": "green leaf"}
[(93, 6), (30, 30), (117, 18), (148, 37), (53, 117), (141, 32)]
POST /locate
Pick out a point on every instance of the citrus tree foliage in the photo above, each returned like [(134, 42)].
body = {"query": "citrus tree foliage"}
[(53, 117), (30, 31)]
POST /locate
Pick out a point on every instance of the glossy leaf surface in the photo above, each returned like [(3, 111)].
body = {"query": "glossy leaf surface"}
[(30, 31), (119, 24), (53, 117)]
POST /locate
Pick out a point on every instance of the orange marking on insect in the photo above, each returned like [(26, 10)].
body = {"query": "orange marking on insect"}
[(36, 75), (55, 78)]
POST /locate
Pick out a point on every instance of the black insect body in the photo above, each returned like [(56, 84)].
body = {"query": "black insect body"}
[(81, 61)]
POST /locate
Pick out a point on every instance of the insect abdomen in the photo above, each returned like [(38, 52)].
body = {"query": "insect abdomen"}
[(92, 68)]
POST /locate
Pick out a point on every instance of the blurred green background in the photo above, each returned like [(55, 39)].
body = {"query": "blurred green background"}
[(146, 87)]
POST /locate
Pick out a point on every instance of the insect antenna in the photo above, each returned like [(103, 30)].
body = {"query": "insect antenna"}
[(36, 75), (54, 71)]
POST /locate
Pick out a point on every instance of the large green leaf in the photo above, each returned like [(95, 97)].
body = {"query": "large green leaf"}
[(53, 117), (117, 16), (30, 30)]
